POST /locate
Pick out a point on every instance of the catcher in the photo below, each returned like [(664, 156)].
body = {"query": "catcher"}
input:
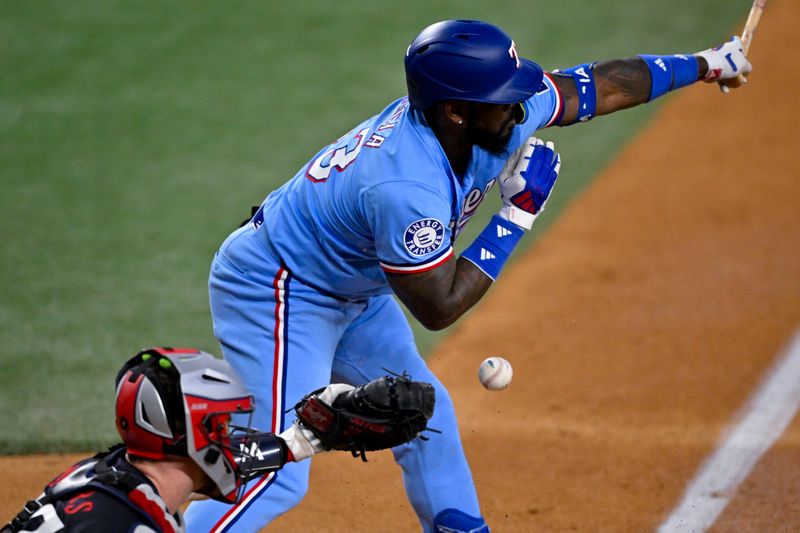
[(175, 410)]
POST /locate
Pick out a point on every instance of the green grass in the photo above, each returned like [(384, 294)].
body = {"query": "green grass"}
[(135, 135)]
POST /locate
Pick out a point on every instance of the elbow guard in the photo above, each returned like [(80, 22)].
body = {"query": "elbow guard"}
[(583, 75)]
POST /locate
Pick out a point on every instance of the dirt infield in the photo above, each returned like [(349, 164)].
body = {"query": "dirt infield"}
[(637, 327)]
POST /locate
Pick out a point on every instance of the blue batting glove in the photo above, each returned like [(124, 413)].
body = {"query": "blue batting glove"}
[(527, 181)]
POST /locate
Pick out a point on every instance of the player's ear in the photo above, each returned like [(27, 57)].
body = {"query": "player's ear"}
[(455, 111)]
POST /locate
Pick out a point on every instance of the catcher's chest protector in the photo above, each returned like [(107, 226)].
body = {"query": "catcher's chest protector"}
[(94, 495)]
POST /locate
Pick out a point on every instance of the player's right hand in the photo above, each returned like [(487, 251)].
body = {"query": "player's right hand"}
[(527, 180), (726, 62)]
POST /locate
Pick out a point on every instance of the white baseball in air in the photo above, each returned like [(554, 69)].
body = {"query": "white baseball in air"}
[(495, 373)]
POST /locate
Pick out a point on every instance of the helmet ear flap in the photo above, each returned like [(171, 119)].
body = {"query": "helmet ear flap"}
[(150, 415)]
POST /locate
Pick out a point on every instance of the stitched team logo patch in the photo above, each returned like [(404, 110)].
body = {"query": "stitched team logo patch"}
[(424, 236)]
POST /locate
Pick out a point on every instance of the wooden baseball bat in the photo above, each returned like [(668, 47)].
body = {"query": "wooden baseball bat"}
[(752, 22), (756, 10)]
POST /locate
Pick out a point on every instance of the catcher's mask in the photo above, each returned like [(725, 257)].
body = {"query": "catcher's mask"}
[(179, 401)]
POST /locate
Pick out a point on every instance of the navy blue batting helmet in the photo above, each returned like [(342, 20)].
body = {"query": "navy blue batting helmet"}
[(467, 60)]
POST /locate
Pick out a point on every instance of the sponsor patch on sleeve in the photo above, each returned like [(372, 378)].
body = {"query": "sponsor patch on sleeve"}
[(424, 236)]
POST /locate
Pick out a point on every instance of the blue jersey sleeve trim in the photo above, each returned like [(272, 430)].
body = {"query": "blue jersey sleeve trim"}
[(558, 111), (439, 260)]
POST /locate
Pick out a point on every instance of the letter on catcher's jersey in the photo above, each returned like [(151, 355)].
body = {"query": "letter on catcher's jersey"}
[(79, 501)]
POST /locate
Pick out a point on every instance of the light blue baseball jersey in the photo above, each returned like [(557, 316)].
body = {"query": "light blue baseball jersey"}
[(383, 198)]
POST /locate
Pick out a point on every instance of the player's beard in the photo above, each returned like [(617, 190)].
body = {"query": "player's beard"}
[(493, 142)]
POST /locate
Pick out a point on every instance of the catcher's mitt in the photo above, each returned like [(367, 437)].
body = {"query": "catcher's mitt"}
[(381, 414)]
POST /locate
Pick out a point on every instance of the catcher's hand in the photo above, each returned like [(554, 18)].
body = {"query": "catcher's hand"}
[(383, 413)]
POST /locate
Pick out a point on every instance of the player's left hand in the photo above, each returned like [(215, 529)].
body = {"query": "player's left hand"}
[(726, 63), (527, 180)]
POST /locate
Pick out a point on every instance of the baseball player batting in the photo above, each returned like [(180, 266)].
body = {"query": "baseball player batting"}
[(301, 295)]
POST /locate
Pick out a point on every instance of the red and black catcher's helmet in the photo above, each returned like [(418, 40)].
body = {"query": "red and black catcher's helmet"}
[(179, 401)]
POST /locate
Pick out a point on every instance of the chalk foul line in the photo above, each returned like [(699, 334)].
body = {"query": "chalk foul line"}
[(760, 423)]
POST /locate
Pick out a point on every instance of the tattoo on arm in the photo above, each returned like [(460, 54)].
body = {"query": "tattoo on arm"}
[(621, 83)]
